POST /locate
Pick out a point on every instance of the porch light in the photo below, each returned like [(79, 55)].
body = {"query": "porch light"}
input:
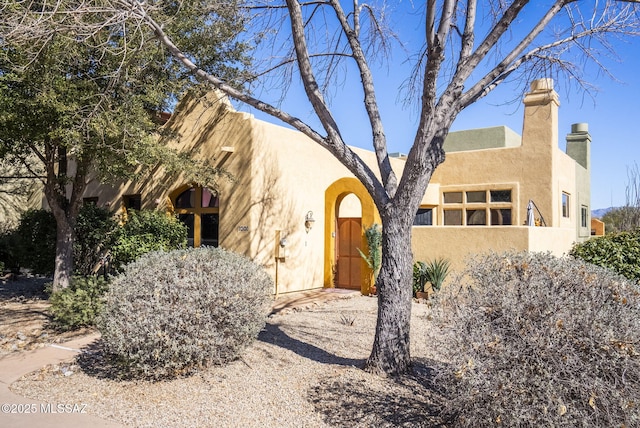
[(308, 221)]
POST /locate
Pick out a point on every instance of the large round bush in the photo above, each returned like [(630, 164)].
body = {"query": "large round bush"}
[(170, 313), (535, 340)]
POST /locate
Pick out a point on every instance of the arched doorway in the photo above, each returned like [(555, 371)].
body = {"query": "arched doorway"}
[(348, 241), (199, 209), (347, 188)]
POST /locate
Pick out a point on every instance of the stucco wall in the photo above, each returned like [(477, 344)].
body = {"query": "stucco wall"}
[(459, 243)]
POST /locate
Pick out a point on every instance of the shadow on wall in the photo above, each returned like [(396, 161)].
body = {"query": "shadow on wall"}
[(274, 206), (193, 136)]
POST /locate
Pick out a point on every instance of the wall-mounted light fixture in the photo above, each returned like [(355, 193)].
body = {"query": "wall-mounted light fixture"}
[(308, 221)]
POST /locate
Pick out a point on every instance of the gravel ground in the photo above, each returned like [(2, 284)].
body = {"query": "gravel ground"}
[(303, 371), (24, 316)]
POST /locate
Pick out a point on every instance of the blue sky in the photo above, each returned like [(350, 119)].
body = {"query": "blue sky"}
[(611, 113)]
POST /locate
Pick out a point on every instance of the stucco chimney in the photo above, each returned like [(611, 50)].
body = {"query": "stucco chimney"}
[(579, 144), (540, 125)]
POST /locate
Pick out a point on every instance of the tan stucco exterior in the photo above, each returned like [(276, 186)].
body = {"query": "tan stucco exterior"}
[(280, 178), (533, 168)]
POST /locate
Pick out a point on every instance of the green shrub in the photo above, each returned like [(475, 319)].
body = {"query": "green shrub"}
[(170, 313), (8, 249), (535, 340), (619, 252), (33, 243), (145, 231), (96, 231), (79, 304), (35, 239)]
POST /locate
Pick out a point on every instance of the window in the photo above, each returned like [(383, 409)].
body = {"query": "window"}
[(584, 215), (198, 208), (424, 217), (132, 202), (501, 217), (93, 200), (476, 197), (565, 205), (500, 195), (452, 197), (476, 217), (453, 217), (477, 208)]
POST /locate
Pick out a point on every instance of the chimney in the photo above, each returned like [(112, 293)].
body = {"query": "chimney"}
[(579, 144), (540, 126)]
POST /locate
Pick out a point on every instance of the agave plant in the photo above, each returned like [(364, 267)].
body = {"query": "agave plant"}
[(436, 272)]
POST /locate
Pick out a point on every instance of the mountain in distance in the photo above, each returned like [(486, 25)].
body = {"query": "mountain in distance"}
[(600, 212)]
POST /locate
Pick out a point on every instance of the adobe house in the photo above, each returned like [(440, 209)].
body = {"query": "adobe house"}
[(296, 210)]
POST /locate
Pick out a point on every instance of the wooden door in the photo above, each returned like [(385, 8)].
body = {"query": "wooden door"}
[(349, 261)]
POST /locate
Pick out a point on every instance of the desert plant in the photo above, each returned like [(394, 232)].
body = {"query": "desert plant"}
[(619, 252), (420, 277), (79, 304), (347, 319), (436, 272), (170, 313), (373, 234), (146, 231), (537, 340)]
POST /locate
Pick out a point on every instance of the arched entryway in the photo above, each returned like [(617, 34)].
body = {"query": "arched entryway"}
[(344, 226), (199, 209)]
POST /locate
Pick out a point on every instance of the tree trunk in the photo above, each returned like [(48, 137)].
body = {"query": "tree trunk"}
[(65, 238), (65, 209), (391, 354)]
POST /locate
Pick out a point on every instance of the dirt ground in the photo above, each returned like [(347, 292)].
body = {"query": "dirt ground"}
[(25, 322)]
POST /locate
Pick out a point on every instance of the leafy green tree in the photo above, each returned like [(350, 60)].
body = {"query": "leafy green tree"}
[(87, 103)]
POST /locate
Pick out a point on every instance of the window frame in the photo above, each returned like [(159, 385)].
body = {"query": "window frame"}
[(469, 207), (197, 210)]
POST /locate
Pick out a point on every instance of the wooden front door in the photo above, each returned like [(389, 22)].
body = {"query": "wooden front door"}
[(349, 261)]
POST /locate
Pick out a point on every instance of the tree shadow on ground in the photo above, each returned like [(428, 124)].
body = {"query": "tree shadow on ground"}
[(412, 400), (96, 362), (274, 335), (20, 287)]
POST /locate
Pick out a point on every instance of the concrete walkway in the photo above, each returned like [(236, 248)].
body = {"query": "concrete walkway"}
[(20, 412)]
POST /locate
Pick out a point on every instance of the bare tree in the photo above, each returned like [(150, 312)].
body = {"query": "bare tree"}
[(469, 48), (626, 218)]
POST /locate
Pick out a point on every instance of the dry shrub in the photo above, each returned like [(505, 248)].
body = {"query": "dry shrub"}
[(170, 313), (535, 340)]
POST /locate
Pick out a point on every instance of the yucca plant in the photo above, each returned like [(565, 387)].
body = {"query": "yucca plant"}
[(436, 272), (374, 244)]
